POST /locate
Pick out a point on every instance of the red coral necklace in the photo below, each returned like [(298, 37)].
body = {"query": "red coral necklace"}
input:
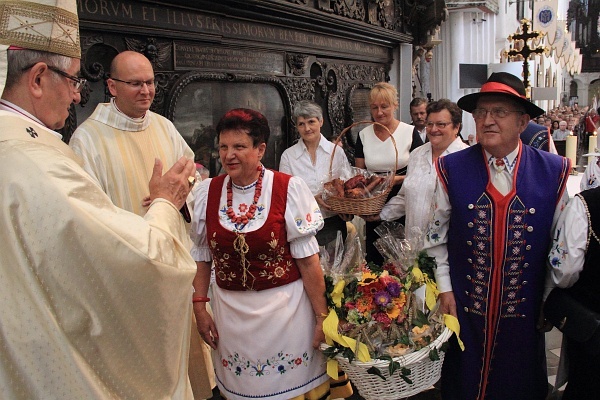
[(249, 215)]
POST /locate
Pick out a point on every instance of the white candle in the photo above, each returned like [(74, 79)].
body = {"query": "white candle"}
[(592, 148), (593, 143), (571, 151)]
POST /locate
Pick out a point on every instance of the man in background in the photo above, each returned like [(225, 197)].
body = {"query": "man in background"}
[(562, 132), (418, 113), (118, 144), (95, 300), (591, 123), (119, 141)]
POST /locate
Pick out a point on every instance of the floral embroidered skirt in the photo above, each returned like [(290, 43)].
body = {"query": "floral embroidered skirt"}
[(265, 343)]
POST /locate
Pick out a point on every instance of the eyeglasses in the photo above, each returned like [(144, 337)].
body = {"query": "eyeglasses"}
[(496, 113), (151, 83), (76, 82), (439, 125)]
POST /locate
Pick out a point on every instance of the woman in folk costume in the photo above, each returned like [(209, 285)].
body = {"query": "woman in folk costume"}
[(258, 228)]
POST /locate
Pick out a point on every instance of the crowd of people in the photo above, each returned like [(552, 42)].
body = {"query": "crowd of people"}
[(120, 280), (571, 120)]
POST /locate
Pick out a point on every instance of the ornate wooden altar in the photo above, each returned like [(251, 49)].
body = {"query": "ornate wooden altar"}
[(211, 56)]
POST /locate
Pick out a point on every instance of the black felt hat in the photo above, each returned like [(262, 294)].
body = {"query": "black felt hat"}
[(505, 84)]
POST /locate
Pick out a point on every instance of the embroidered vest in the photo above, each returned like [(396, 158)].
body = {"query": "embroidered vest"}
[(497, 248), (536, 135), (268, 262)]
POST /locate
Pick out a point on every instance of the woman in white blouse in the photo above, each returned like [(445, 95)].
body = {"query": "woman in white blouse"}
[(375, 150), (309, 159), (414, 200)]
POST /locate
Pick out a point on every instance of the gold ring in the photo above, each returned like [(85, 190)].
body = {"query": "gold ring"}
[(191, 180)]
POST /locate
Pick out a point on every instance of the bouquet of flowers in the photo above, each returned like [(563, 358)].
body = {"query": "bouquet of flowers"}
[(381, 312)]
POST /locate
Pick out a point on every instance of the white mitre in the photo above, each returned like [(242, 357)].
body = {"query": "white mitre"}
[(45, 25)]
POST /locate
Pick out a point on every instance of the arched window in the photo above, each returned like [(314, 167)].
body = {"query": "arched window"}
[(573, 89)]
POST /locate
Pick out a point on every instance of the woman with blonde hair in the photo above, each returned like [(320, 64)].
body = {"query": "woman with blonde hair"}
[(375, 149), (415, 198)]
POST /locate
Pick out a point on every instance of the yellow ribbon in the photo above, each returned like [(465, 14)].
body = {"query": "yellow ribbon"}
[(417, 274), (452, 324), (431, 293), (431, 290), (330, 329), (338, 293)]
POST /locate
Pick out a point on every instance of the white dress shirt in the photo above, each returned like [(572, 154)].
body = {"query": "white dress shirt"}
[(423, 134)]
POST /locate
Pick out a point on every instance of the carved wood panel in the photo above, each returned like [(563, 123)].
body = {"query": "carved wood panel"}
[(330, 83)]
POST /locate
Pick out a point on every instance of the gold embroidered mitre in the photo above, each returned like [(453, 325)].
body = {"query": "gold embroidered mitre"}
[(45, 25)]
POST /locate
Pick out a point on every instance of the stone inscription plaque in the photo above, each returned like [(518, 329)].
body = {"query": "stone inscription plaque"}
[(193, 56), (183, 20)]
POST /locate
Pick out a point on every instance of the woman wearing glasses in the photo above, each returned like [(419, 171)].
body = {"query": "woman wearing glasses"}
[(414, 200)]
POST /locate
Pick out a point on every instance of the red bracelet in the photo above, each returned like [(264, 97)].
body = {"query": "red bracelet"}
[(200, 299)]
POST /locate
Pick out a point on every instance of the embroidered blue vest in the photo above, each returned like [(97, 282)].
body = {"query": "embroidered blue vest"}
[(536, 135), (497, 247)]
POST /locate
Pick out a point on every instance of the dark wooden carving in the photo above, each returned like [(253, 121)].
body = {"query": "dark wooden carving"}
[(324, 5), (164, 84), (70, 125), (354, 9), (326, 49), (297, 63), (299, 89), (158, 53)]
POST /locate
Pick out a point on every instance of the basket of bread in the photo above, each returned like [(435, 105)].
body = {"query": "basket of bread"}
[(364, 193)]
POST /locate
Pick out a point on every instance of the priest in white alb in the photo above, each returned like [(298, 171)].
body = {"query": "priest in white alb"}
[(118, 144)]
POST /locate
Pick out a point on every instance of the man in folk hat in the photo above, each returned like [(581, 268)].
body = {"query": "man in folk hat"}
[(95, 300), (496, 204)]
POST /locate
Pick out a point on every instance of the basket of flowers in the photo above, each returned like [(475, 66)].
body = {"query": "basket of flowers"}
[(383, 327), (362, 193)]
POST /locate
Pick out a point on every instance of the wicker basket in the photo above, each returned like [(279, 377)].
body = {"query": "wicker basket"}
[(368, 205), (423, 373)]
